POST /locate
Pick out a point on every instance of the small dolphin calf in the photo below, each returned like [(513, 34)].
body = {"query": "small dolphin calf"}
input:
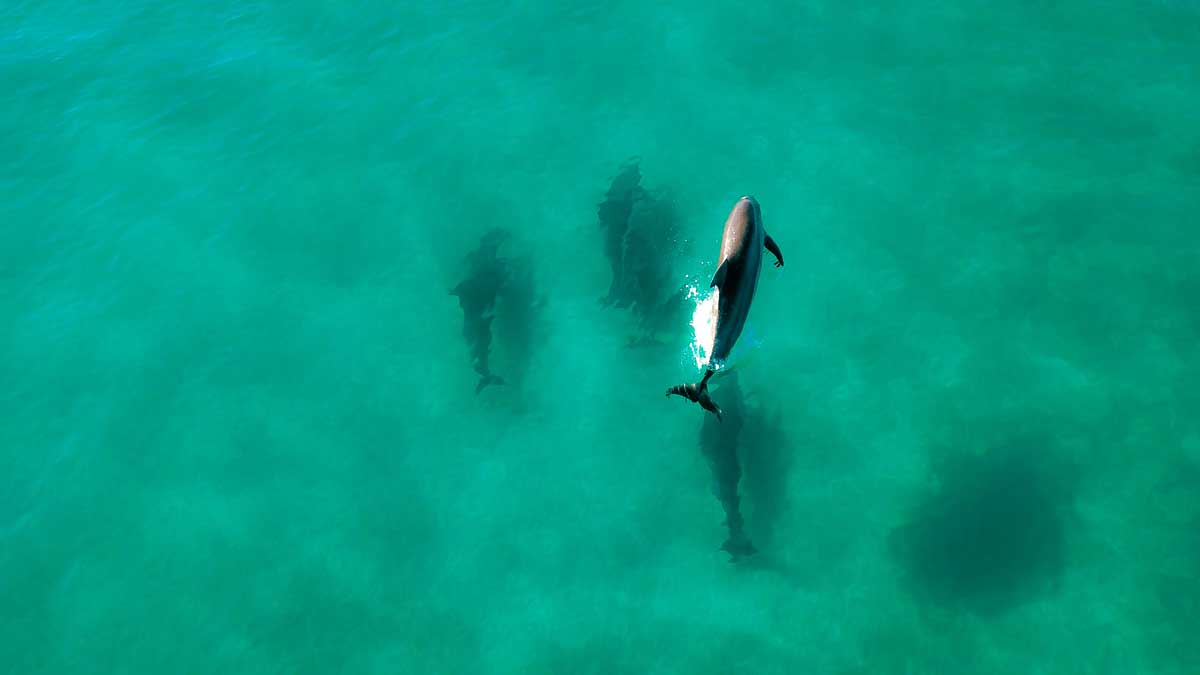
[(735, 280)]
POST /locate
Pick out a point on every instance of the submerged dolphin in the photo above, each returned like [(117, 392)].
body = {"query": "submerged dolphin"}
[(735, 280), (477, 298)]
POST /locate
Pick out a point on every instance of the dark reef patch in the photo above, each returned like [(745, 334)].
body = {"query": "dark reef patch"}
[(991, 536)]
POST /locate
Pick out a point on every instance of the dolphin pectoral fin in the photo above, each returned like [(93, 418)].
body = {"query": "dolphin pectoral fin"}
[(774, 249), (719, 278)]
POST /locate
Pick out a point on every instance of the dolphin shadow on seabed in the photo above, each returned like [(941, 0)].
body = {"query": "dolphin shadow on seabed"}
[(487, 275), (719, 443), (613, 214), (651, 242), (519, 327), (745, 443), (642, 234)]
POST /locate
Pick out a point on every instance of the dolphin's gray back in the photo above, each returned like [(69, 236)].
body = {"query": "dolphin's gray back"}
[(741, 256)]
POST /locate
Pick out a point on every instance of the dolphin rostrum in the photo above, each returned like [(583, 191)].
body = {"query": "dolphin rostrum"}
[(735, 280)]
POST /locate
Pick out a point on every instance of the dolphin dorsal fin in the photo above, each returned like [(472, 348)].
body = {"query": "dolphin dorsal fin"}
[(718, 279)]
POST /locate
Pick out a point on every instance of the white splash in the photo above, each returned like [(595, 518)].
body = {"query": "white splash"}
[(704, 324)]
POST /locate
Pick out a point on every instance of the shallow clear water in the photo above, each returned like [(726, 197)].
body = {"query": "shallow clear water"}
[(240, 429)]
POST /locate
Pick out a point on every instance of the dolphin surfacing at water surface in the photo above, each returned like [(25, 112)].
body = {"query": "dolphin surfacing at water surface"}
[(736, 279)]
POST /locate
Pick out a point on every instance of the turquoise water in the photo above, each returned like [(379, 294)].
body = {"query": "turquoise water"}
[(241, 432)]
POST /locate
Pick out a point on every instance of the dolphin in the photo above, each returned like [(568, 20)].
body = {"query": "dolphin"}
[(736, 279), (477, 297)]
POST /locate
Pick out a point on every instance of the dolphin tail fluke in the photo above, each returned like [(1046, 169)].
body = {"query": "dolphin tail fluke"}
[(697, 393), (486, 380), (738, 547)]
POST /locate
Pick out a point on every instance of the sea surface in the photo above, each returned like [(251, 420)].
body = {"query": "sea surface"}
[(240, 431)]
